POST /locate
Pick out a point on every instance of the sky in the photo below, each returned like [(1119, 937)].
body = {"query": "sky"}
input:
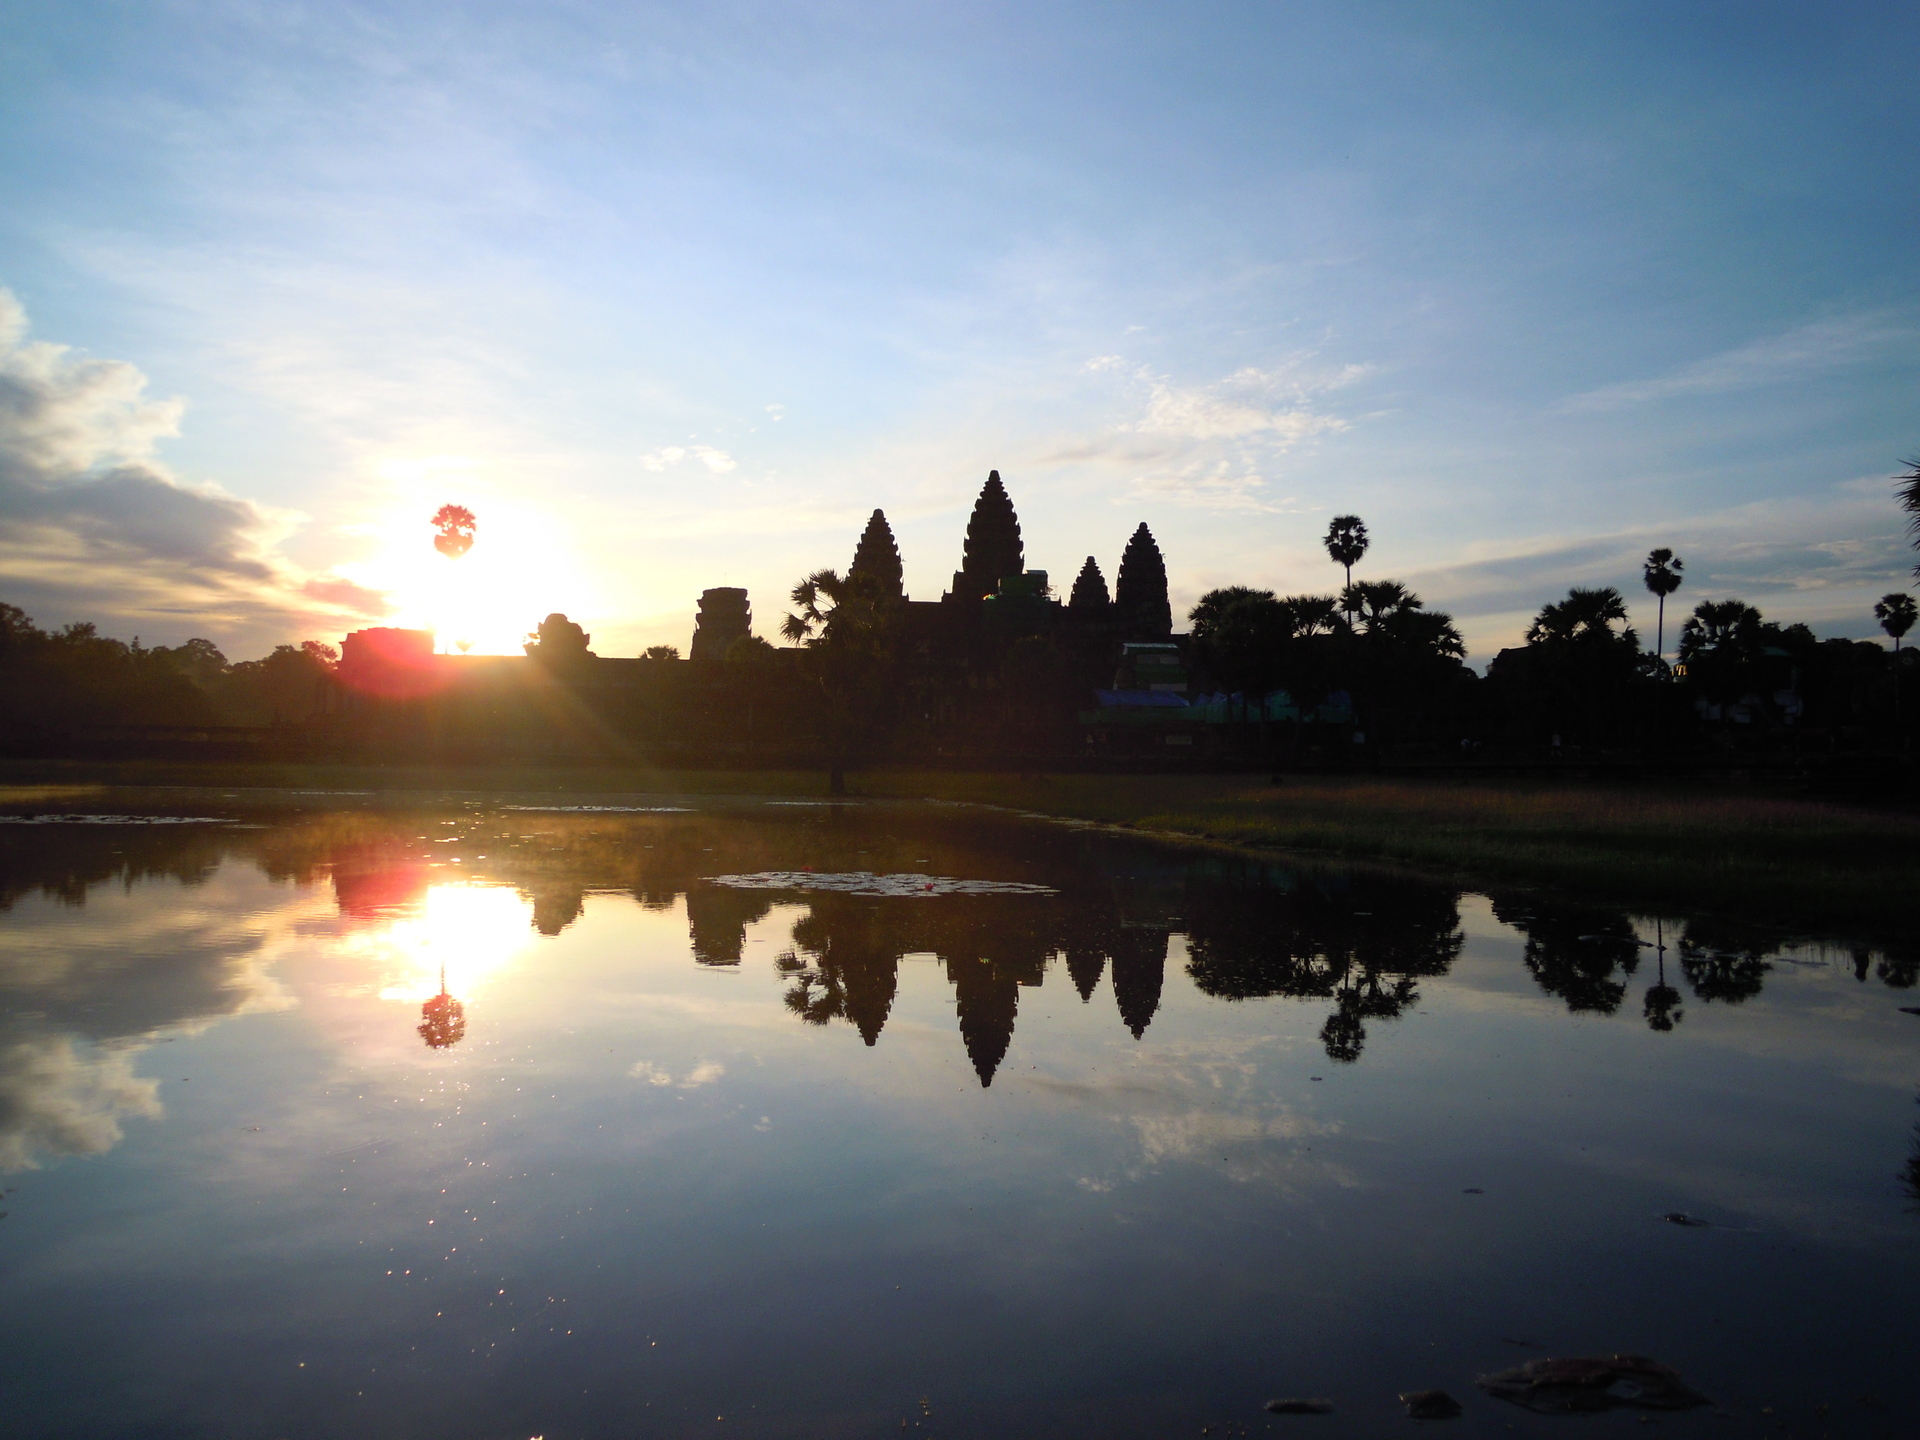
[(673, 296)]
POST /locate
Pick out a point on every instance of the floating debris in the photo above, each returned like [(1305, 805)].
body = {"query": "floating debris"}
[(1299, 1407), (1430, 1405), (861, 882), (1681, 1218), (1473, 1190), (1586, 1383)]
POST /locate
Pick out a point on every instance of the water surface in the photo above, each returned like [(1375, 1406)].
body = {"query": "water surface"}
[(791, 1120)]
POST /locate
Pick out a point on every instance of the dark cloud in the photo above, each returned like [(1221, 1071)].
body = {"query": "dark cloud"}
[(92, 527)]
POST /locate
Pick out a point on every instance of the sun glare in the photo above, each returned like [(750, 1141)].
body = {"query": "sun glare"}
[(473, 931), (521, 568)]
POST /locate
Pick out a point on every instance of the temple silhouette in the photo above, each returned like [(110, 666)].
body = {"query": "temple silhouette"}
[(998, 662)]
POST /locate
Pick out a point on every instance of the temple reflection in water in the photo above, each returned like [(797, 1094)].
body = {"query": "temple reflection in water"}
[(450, 899)]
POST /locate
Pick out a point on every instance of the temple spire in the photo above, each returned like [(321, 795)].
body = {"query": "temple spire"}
[(993, 549), (1089, 590), (877, 558), (1140, 593)]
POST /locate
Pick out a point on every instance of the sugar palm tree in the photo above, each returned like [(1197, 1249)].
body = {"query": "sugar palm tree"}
[(1585, 615), (845, 623), (1662, 572), (1896, 614), (1346, 542), (1907, 492)]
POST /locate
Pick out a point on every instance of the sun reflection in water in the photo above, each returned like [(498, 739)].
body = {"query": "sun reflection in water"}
[(455, 942)]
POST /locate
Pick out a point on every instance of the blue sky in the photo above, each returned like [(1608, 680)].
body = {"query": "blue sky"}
[(674, 296)]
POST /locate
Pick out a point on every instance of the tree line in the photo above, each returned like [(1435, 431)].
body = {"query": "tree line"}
[(1003, 667)]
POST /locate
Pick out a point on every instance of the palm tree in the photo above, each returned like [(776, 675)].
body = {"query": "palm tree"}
[(1718, 625), (1583, 615), (1388, 611), (1896, 614), (1663, 577), (1346, 542), (1908, 494), (846, 625)]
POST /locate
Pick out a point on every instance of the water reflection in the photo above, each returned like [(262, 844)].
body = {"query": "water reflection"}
[(1662, 1004), (1362, 940), (535, 1151), (847, 950), (443, 1019), (1575, 952), (430, 909), (1910, 1176)]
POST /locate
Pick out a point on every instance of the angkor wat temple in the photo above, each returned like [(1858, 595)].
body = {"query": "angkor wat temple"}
[(998, 662)]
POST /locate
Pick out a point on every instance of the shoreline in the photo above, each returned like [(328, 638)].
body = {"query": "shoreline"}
[(1787, 863)]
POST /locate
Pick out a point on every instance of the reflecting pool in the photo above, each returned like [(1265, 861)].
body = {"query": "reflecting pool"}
[(780, 1119)]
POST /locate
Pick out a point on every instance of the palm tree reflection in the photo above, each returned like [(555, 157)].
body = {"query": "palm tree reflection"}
[(1362, 941), (443, 1019), (1662, 1005)]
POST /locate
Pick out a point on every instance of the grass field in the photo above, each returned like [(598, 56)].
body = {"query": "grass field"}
[(1798, 863), (1788, 861)]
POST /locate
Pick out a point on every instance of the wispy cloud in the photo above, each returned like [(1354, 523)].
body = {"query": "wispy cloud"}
[(717, 461), (1274, 404), (1777, 359), (1209, 446)]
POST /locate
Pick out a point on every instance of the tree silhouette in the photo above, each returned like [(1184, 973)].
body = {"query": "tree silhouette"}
[(1346, 541), (1089, 591), (1363, 947), (1722, 962), (1907, 492), (1245, 637), (1585, 616), (1663, 575), (1896, 614), (1576, 666), (1574, 952), (1140, 590), (1386, 611), (849, 629), (660, 652), (717, 920), (453, 526), (558, 642), (876, 560), (1718, 625), (993, 548), (856, 964), (1721, 645)]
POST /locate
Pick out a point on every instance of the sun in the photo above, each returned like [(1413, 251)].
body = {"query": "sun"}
[(521, 567), (466, 932)]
